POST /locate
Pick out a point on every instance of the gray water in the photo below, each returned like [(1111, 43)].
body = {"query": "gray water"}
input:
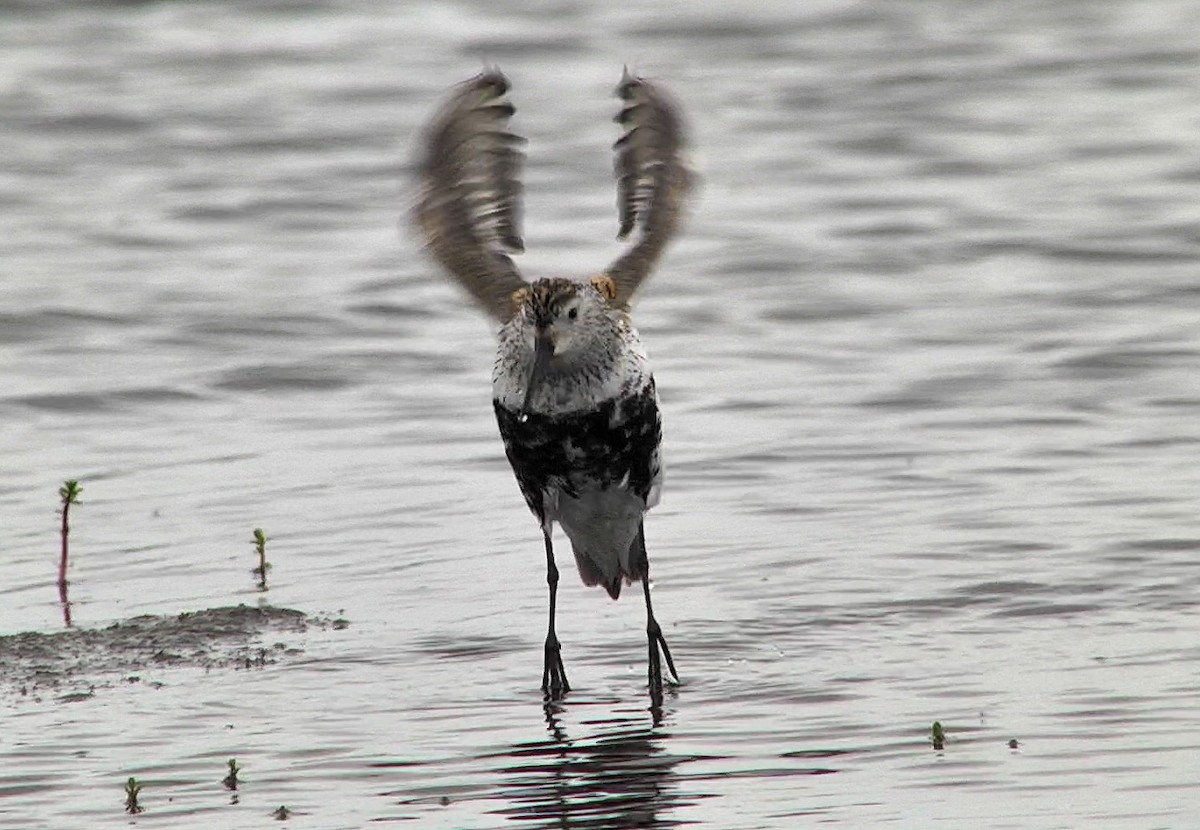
[(927, 354)]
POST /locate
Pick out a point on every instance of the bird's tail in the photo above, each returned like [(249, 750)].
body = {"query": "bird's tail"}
[(624, 569)]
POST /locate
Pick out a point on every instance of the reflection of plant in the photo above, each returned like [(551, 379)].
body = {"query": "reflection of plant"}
[(132, 788), (231, 780), (938, 737), (260, 544), (69, 494)]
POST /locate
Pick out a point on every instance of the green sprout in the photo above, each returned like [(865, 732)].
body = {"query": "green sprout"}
[(69, 494), (260, 545), (231, 781), (939, 736), (132, 788)]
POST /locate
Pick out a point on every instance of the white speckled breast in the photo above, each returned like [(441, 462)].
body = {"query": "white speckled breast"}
[(619, 370)]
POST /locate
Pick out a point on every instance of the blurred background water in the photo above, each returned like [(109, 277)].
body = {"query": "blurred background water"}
[(928, 359)]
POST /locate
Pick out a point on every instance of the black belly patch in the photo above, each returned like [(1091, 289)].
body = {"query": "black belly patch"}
[(618, 439)]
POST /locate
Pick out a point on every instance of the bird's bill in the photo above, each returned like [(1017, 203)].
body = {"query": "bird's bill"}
[(543, 350)]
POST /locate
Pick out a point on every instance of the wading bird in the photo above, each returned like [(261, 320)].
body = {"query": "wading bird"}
[(571, 386)]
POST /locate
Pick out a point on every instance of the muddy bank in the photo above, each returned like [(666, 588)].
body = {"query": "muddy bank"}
[(74, 663)]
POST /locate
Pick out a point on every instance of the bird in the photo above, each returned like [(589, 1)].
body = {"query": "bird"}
[(572, 389)]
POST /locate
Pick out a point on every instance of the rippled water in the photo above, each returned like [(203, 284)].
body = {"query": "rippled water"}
[(928, 357)]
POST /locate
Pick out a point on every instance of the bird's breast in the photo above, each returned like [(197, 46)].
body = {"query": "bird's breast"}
[(613, 444), (614, 370)]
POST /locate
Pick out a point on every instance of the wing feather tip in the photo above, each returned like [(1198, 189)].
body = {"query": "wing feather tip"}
[(491, 76)]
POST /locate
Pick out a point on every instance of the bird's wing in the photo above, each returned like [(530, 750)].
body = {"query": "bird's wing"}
[(653, 180), (469, 205)]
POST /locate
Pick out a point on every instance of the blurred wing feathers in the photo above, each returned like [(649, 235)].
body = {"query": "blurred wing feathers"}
[(469, 206), (653, 179)]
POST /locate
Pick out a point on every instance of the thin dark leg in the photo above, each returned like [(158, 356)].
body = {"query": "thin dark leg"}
[(656, 641), (554, 676)]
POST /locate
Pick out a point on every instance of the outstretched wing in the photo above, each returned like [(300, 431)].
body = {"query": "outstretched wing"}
[(469, 206), (653, 179)]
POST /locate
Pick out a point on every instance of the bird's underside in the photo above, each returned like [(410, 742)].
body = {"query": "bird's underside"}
[(585, 448), (596, 473)]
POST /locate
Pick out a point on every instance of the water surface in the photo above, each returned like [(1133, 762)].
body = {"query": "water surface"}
[(927, 356)]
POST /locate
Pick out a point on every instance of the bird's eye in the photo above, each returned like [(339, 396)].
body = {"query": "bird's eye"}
[(573, 313)]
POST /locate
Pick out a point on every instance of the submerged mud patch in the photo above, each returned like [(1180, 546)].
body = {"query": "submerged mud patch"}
[(75, 662)]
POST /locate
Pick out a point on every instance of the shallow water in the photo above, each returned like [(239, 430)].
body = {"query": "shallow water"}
[(928, 359)]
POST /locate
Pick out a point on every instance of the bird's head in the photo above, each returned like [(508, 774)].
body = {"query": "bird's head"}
[(567, 325)]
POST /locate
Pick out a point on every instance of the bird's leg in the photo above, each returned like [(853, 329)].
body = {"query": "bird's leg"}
[(554, 676), (656, 641)]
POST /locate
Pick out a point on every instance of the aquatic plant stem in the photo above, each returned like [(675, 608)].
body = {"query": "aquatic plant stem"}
[(260, 545), (69, 493), (132, 790), (65, 602), (62, 562)]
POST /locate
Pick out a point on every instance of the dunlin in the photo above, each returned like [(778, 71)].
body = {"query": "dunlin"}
[(572, 389)]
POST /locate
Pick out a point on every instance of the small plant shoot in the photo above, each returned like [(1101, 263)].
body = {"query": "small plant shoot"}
[(132, 790), (69, 495), (260, 545), (231, 780)]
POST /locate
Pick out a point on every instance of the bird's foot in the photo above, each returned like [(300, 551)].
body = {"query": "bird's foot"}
[(657, 641), (554, 676)]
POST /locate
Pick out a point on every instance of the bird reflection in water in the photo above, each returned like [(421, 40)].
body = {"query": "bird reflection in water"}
[(619, 777)]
